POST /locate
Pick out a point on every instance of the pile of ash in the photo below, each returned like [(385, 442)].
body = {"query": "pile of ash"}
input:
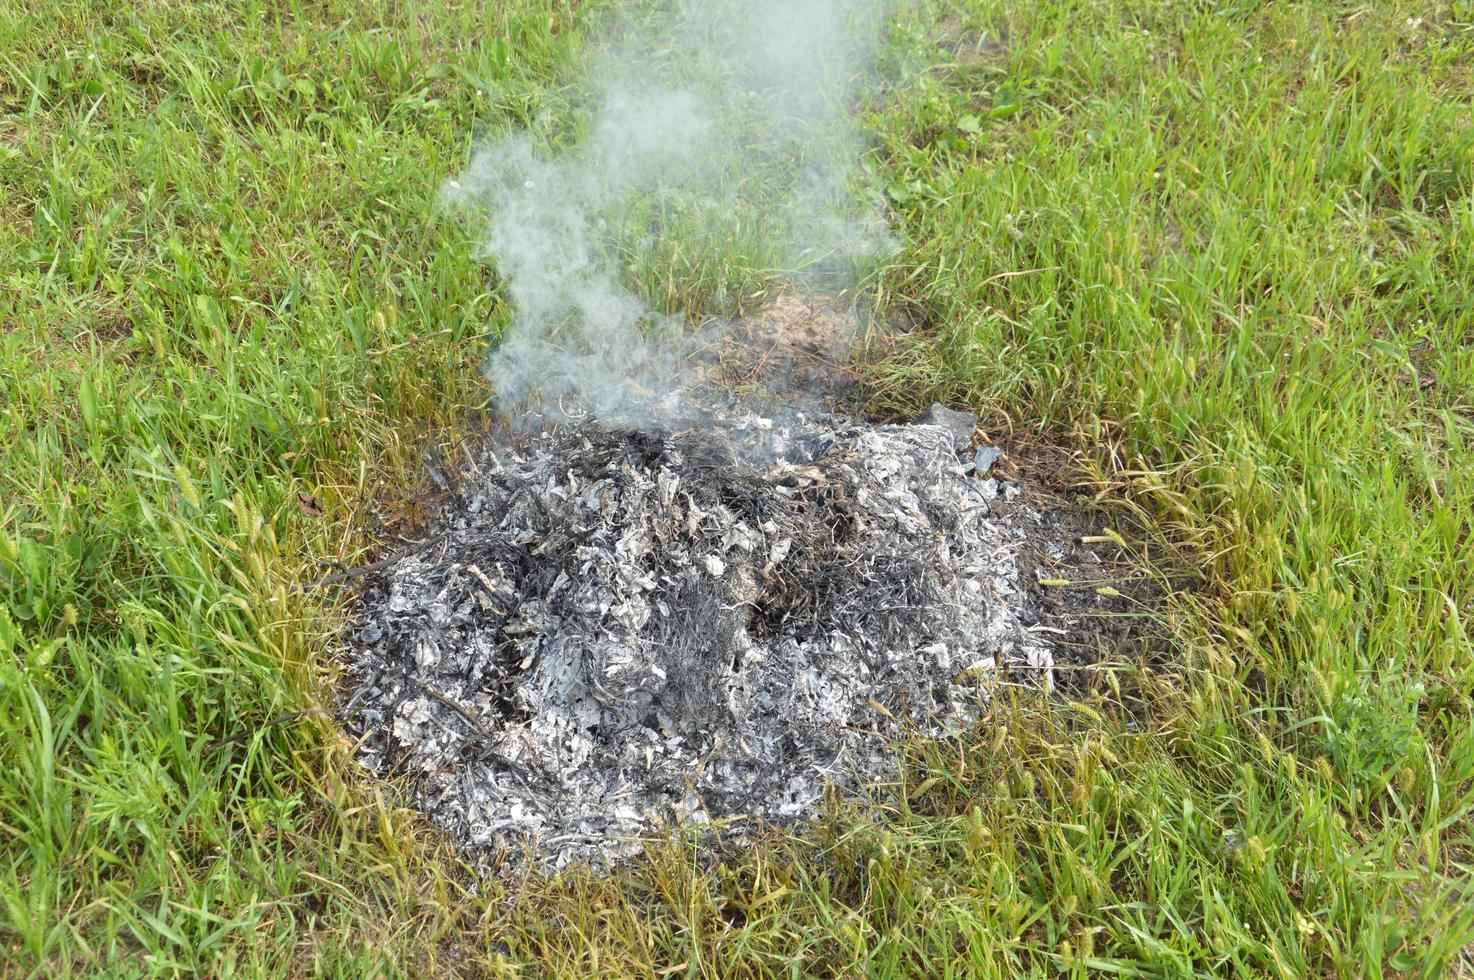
[(614, 630)]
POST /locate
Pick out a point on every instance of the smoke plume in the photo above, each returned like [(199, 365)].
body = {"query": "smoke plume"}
[(717, 140)]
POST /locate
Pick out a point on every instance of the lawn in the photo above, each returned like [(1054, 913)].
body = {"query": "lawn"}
[(1221, 253)]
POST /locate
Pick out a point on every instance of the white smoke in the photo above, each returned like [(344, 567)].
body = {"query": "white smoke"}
[(722, 129)]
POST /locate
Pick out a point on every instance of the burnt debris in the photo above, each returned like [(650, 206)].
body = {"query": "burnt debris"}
[(959, 424), (617, 629)]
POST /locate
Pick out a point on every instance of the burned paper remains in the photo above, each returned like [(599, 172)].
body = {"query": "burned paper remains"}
[(618, 630)]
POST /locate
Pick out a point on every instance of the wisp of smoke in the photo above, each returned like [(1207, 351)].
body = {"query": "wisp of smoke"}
[(723, 128)]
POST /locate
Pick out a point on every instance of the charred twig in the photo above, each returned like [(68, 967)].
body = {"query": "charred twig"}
[(466, 716)]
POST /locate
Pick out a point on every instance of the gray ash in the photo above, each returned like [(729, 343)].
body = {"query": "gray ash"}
[(616, 629)]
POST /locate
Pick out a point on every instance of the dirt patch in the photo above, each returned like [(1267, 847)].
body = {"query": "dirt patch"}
[(1097, 604), (796, 350)]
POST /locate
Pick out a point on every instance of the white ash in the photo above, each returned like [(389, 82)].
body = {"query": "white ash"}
[(616, 630)]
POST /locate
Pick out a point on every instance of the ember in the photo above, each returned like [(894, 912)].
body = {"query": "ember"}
[(615, 629)]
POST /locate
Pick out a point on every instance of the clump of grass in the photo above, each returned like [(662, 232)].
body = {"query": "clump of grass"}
[(225, 287), (1221, 251)]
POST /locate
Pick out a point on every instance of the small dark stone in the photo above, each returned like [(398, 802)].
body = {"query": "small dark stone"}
[(960, 424)]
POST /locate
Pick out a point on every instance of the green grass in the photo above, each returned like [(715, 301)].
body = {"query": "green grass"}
[(1225, 252)]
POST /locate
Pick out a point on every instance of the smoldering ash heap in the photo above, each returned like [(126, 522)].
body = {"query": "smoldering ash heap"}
[(652, 608), (617, 629)]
